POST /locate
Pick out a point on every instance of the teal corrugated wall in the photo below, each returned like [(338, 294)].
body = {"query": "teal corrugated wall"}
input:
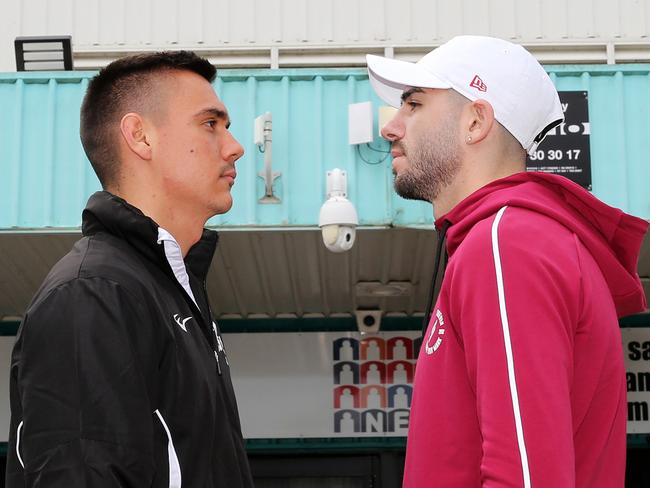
[(45, 179)]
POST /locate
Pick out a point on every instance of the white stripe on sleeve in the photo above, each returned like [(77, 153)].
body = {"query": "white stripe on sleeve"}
[(20, 459), (174, 466), (508, 345)]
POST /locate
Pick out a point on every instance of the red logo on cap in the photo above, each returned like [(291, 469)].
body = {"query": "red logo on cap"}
[(477, 83)]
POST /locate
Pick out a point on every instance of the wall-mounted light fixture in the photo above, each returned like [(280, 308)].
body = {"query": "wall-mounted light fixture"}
[(43, 53)]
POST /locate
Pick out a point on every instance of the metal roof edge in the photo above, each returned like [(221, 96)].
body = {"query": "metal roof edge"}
[(307, 73)]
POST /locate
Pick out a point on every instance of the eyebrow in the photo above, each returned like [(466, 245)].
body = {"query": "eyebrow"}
[(216, 113), (409, 92)]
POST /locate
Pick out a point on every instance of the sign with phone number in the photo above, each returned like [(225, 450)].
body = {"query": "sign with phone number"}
[(565, 150)]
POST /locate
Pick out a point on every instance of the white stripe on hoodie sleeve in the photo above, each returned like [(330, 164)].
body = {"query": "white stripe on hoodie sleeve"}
[(512, 380)]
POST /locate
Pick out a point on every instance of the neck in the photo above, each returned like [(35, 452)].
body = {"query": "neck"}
[(181, 222), (472, 175), (186, 231)]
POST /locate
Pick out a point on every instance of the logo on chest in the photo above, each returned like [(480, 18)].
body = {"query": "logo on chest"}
[(181, 321), (436, 334)]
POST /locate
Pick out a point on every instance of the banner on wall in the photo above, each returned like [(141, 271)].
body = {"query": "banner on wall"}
[(327, 384), (636, 349), (332, 384)]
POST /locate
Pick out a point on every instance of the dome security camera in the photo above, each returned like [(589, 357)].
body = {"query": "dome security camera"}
[(338, 221), (338, 218)]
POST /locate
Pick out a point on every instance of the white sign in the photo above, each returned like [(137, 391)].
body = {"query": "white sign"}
[(636, 346), (325, 384)]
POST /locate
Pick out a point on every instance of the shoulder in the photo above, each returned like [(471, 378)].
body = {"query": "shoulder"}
[(79, 295), (522, 241), (109, 257), (530, 257), (518, 230), (96, 268)]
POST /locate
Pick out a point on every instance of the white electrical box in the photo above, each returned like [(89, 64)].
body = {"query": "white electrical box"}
[(258, 129), (360, 123)]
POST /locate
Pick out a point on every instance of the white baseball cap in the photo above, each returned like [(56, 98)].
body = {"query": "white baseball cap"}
[(507, 76)]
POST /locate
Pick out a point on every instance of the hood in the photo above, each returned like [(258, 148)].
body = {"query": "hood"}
[(613, 237)]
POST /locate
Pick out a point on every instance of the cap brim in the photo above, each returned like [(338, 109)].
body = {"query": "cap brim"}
[(390, 77)]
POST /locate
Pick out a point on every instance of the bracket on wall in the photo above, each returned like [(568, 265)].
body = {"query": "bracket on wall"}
[(263, 139)]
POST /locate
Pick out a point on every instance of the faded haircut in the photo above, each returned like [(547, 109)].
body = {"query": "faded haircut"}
[(127, 85)]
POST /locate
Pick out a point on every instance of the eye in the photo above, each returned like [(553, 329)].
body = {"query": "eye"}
[(212, 123), (412, 104)]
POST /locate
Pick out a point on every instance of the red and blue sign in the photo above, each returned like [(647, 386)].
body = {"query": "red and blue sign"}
[(373, 384)]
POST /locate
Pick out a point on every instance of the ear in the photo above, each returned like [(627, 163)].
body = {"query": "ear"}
[(480, 121), (133, 132)]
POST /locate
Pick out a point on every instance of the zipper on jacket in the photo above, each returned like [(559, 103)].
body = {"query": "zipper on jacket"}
[(20, 459), (216, 356)]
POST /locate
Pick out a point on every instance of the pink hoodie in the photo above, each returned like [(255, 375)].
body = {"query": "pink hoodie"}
[(520, 379)]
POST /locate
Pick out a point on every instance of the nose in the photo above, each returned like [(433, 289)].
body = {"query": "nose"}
[(232, 149), (394, 129)]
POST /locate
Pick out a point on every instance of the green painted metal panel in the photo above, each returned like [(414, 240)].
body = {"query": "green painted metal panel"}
[(46, 178)]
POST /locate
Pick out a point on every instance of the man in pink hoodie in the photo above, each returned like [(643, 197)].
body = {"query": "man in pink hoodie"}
[(520, 379)]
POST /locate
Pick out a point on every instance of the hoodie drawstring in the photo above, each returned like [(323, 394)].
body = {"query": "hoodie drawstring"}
[(433, 291)]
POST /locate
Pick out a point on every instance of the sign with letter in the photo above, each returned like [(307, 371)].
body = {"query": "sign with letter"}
[(565, 150), (343, 384), (323, 384), (636, 347)]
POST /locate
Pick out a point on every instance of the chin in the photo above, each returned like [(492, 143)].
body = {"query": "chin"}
[(221, 206)]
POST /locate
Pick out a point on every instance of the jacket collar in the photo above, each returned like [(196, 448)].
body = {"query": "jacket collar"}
[(109, 213)]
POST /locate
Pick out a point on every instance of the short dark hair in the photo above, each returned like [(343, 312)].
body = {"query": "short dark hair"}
[(121, 87)]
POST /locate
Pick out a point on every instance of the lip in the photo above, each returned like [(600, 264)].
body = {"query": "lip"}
[(396, 154), (398, 162), (230, 175)]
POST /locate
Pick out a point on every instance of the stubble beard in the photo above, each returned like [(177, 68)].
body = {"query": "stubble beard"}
[(434, 162)]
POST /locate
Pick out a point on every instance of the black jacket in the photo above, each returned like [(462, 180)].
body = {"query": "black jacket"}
[(117, 377)]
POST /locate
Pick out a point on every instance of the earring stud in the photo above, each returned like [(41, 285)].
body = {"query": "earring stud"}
[(469, 139)]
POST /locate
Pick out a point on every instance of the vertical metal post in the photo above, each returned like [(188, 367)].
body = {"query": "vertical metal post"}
[(268, 175)]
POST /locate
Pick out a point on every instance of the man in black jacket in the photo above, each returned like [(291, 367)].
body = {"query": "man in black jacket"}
[(119, 376)]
